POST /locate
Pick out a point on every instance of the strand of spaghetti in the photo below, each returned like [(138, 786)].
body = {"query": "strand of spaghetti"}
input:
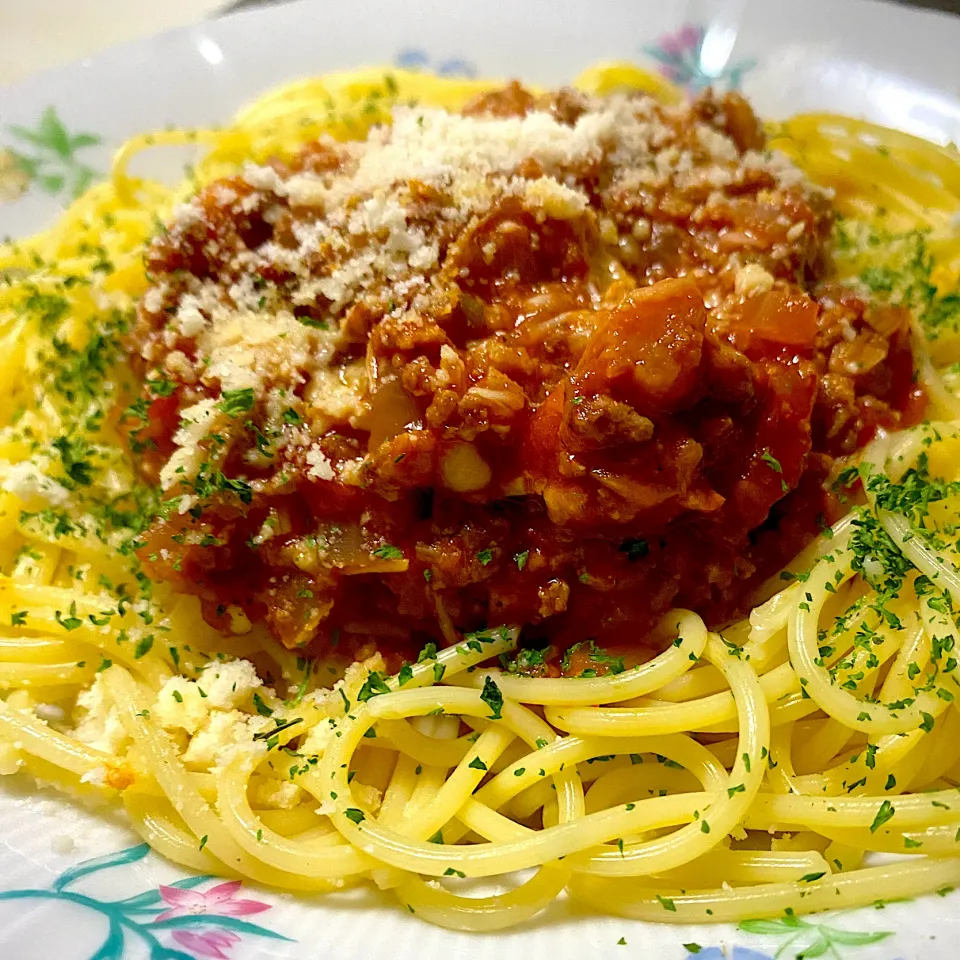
[(672, 663), (938, 840), (944, 753), (94, 789), (458, 785), (123, 184), (526, 800), (822, 686), (204, 783), (485, 914), (745, 866), (486, 823), (569, 751), (841, 856), (488, 643), (910, 810), (354, 86), (857, 888), (526, 724), (399, 790), (424, 780), (704, 679), (772, 616), (896, 453), (904, 191), (39, 740), (946, 403), (624, 783), (870, 768), (401, 736), (302, 820), (36, 566), (155, 823), (42, 674), (665, 852), (781, 775), (430, 780), (42, 649), (944, 164), (942, 631), (900, 753), (483, 860), (455, 660), (728, 808), (291, 856), (669, 717), (912, 542), (603, 79), (786, 709), (562, 840), (49, 607)]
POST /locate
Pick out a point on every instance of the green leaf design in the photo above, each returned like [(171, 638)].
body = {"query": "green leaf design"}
[(51, 162), (85, 176), (84, 140), (54, 133), (50, 183), (853, 939), (131, 855), (775, 928), (26, 134), (112, 947), (160, 952), (28, 166), (804, 940), (816, 949)]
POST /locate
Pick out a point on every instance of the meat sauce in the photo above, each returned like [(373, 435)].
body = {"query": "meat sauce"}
[(592, 418)]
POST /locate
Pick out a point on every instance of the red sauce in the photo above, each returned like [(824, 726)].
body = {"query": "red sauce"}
[(644, 452)]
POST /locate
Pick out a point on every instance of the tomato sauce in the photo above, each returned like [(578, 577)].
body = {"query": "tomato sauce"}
[(586, 429)]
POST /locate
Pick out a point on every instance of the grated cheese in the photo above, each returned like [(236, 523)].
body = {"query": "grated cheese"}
[(28, 483), (375, 232)]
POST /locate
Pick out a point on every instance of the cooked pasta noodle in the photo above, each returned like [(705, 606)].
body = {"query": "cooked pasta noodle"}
[(736, 774)]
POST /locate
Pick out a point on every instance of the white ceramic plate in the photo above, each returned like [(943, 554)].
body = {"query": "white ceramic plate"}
[(74, 885)]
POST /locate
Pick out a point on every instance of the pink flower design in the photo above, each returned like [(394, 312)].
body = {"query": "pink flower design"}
[(687, 38), (211, 943), (220, 900)]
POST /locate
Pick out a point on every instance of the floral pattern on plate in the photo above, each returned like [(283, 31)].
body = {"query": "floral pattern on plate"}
[(802, 940), (47, 156), (695, 58), (200, 923)]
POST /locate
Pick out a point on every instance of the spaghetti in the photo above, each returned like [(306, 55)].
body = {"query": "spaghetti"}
[(736, 774)]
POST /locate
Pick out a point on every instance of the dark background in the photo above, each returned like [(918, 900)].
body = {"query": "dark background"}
[(950, 6)]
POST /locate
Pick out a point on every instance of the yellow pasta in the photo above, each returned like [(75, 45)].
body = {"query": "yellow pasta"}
[(827, 720)]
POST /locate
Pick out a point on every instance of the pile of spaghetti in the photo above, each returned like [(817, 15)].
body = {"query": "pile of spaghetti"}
[(737, 774)]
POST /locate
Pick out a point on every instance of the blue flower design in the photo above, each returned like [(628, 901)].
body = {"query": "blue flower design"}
[(147, 916), (738, 953), (694, 58), (414, 58)]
